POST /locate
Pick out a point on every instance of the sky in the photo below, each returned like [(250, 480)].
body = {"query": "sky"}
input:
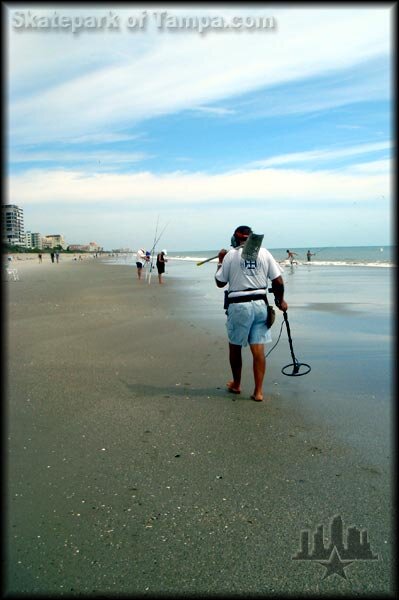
[(199, 118)]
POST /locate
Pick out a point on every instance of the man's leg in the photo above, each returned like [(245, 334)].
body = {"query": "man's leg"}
[(236, 368), (259, 367)]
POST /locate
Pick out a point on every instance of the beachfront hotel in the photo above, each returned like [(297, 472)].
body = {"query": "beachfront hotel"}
[(13, 225), (90, 247), (54, 240)]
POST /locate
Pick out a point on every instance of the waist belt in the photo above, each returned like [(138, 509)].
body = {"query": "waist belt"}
[(248, 298)]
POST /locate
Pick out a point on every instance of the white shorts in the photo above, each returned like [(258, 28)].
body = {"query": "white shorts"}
[(246, 323)]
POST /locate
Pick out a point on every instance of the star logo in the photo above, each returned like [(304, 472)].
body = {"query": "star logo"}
[(341, 551), (335, 565)]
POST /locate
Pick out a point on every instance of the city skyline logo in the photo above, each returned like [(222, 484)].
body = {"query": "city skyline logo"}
[(337, 555)]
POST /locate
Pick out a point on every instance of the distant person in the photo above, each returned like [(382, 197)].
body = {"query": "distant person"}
[(140, 261), (147, 258), (309, 254), (80, 257), (40, 258), (291, 257), (161, 260), (57, 257), (52, 256)]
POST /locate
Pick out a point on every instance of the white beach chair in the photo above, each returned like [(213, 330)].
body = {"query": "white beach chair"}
[(12, 273)]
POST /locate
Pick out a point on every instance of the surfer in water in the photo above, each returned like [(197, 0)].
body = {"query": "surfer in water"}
[(247, 280)]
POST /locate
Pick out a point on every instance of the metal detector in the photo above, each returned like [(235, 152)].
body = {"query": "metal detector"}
[(296, 366)]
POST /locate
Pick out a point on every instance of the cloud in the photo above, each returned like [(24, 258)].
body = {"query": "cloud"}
[(352, 127), (214, 110), (104, 138), (367, 81), (158, 74), (375, 166), (89, 157), (265, 186), (315, 156)]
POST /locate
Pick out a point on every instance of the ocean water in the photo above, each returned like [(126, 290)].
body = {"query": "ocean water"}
[(379, 256), (361, 256), (350, 277)]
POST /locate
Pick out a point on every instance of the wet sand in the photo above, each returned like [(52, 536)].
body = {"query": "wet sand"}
[(131, 470)]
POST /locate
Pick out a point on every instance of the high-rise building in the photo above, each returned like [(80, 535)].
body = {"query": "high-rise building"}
[(33, 240), (13, 225)]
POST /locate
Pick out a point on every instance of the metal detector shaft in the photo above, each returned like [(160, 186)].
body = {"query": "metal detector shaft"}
[(296, 366)]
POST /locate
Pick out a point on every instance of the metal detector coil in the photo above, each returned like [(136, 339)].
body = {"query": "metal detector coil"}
[(297, 369)]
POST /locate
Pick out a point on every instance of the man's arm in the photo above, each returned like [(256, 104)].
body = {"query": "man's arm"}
[(220, 284), (278, 291), (221, 255)]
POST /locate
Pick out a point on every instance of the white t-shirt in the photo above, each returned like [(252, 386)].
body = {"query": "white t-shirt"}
[(247, 276), (140, 256)]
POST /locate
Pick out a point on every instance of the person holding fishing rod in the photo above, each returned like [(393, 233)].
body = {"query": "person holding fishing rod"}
[(247, 306), (309, 254), (161, 260), (140, 261)]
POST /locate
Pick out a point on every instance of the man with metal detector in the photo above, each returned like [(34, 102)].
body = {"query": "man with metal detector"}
[(246, 269)]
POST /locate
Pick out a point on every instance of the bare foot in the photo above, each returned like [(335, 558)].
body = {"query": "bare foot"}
[(257, 397), (233, 388)]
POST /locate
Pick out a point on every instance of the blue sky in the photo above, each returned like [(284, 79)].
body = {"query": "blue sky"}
[(287, 129)]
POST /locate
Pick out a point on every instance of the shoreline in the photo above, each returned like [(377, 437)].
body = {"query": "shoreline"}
[(23, 258), (132, 470)]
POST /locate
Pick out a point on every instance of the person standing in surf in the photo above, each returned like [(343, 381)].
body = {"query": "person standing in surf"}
[(247, 281), (291, 257), (161, 260)]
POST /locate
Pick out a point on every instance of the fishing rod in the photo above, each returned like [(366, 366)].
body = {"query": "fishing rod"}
[(160, 235), (156, 240), (202, 262), (152, 249)]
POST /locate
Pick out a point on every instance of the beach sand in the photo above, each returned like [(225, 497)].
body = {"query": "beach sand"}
[(131, 470)]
